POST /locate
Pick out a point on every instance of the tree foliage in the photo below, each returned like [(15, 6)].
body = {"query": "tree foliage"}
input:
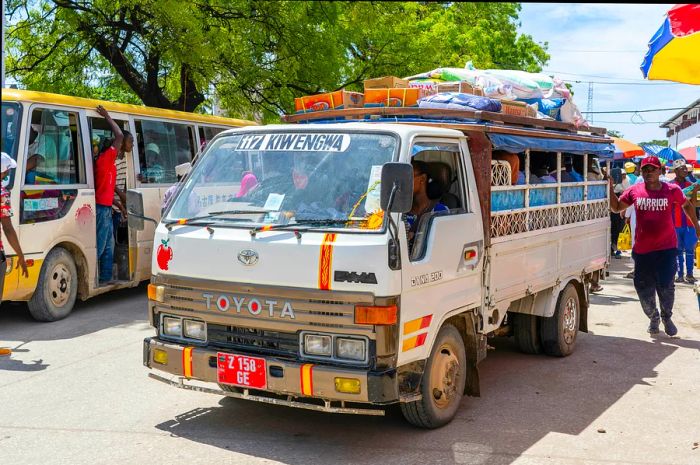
[(257, 56), (614, 133), (659, 142)]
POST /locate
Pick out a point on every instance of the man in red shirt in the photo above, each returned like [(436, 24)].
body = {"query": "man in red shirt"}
[(655, 240), (105, 180)]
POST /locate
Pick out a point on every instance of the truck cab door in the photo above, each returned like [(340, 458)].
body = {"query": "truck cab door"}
[(442, 271)]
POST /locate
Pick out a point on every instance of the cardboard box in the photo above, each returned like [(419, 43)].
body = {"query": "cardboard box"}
[(338, 100), (406, 97), (462, 87), (514, 108), (385, 82), (425, 88)]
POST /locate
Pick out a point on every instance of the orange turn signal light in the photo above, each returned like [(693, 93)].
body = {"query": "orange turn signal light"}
[(156, 292), (376, 315)]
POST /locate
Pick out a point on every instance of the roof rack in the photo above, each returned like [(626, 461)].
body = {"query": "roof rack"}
[(446, 116)]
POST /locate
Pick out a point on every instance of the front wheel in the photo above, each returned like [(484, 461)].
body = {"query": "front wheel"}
[(57, 288), (442, 386), (558, 332)]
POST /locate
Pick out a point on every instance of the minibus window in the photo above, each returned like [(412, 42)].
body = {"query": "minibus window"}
[(54, 154), (163, 146)]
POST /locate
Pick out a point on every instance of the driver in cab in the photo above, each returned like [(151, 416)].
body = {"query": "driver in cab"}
[(425, 198)]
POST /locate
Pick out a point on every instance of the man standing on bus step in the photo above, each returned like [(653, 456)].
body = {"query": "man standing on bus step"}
[(687, 238), (105, 180), (654, 250)]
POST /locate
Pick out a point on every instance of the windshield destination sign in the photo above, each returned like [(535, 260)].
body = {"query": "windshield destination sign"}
[(295, 142)]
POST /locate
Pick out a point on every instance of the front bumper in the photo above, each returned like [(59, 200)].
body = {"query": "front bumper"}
[(283, 377)]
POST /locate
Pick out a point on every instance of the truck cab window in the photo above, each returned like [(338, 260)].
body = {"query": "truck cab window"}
[(437, 168)]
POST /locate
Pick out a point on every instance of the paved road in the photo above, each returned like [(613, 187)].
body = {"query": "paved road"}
[(75, 392)]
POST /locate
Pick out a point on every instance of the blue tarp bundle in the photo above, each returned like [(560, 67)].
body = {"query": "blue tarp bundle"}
[(518, 144)]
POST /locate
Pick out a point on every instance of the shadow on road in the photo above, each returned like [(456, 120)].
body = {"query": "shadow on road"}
[(525, 398), (116, 308)]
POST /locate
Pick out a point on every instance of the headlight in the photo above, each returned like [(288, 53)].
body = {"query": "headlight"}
[(172, 326), (194, 329), (316, 344), (351, 349)]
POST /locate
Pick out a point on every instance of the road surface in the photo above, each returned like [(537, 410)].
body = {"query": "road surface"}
[(75, 392)]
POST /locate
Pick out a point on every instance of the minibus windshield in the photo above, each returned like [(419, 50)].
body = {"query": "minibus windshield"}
[(318, 179)]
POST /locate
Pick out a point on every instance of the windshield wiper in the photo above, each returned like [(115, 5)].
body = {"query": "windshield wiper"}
[(185, 221), (280, 227)]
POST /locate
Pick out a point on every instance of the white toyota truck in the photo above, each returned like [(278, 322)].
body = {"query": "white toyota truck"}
[(284, 271)]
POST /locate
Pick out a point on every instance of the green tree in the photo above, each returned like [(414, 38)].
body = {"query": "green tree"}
[(257, 56), (614, 133), (660, 142)]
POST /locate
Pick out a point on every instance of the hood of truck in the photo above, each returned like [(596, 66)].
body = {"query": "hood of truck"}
[(317, 260)]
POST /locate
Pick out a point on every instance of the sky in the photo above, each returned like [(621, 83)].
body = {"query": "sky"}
[(605, 44)]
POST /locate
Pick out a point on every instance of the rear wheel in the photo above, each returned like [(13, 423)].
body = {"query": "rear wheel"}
[(559, 332), (57, 288), (442, 386), (527, 333)]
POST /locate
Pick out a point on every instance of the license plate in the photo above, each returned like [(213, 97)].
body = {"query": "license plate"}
[(240, 370)]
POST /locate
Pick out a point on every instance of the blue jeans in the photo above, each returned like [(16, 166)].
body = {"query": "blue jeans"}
[(687, 239), (653, 275), (105, 242)]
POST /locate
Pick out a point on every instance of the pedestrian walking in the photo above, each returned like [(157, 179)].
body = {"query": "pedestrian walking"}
[(105, 181), (6, 226), (685, 232), (617, 222), (654, 251)]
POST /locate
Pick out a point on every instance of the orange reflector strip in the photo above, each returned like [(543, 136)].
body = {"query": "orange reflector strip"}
[(187, 362), (414, 325), (413, 342), (266, 227), (307, 382), (182, 221), (370, 315)]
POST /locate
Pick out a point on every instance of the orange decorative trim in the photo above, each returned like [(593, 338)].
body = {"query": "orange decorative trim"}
[(417, 324), (187, 361), (413, 342), (325, 262), (307, 382)]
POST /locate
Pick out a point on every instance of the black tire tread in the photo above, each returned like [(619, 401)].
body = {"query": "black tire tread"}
[(549, 327), (526, 332)]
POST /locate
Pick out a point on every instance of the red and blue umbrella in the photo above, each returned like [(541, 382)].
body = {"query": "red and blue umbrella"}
[(674, 51)]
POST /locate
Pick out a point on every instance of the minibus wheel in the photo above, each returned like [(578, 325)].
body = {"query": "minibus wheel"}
[(442, 385), (558, 332), (57, 288)]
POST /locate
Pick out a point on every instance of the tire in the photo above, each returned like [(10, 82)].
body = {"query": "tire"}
[(57, 288), (444, 377), (559, 332), (526, 329)]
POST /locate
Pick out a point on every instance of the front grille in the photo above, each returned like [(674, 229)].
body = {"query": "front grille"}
[(253, 340)]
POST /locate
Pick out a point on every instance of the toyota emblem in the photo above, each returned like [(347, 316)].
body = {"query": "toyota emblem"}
[(248, 257)]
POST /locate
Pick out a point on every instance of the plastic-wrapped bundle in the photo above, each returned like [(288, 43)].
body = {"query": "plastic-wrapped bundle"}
[(455, 74), (549, 107), (457, 101), (522, 83)]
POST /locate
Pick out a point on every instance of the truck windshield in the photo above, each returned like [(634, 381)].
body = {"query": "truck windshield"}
[(9, 135), (324, 180)]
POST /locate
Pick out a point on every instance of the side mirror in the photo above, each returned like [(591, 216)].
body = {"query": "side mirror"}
[(397, 187), (134, 208)]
